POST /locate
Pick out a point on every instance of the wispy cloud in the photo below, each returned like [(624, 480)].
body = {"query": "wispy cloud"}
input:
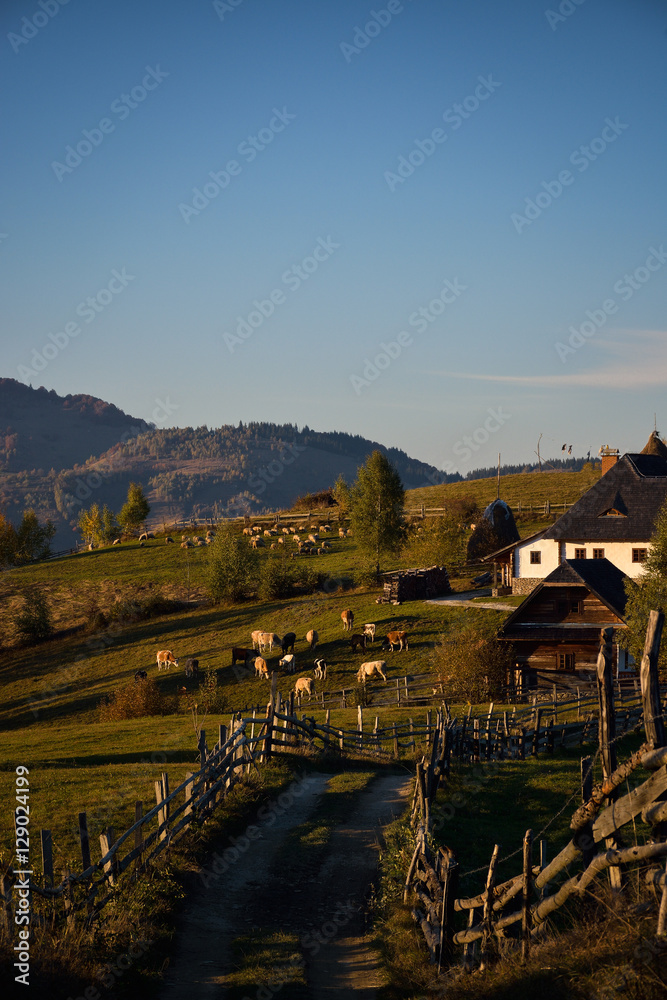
[(637, 362)]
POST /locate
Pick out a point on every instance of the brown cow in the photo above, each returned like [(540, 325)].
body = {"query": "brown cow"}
[(399, 639), (348, 619), (241, 653), (358, 640)]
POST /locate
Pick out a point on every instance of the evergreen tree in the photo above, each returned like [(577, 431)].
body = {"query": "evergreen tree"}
[(135, 510), (377, 499), (33, 540), (110, 527)]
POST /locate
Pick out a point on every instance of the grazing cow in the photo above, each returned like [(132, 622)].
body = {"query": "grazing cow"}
[(287, 645), (358, 640), (191, 667), (289, 663), (348, 619), (165, 658), (312, 638), (372, 669), (241, 653), (261, 669), (399, 639), (255, 636), (369, 631), (320, 671), (140, 675), (269, 639), (304, 685), (167, 541)]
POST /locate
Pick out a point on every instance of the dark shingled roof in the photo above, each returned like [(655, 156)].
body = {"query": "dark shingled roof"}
[(600, 576), (636, 486)]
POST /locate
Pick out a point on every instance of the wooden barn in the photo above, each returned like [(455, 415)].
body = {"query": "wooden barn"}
[(555, 633), (416, 584)]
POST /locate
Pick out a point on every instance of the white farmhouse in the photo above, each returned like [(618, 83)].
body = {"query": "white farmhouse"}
[(614, 520)]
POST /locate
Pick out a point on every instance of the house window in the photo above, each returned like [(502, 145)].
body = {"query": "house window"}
[(566, 661), (639, 555), (535, 558), (580, 553), (576, 607), (598, 553)]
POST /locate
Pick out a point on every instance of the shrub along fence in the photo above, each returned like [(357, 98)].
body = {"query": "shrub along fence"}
[(431, 882)]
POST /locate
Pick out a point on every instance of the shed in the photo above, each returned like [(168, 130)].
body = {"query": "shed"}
[(416, 584)]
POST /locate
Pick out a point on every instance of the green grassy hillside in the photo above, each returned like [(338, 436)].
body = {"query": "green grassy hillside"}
[(526, 487)]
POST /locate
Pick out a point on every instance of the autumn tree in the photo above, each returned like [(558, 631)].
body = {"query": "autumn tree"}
[(135, 510), (377, 499)]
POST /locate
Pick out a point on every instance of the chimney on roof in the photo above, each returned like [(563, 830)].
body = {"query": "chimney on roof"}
[(609, 457)]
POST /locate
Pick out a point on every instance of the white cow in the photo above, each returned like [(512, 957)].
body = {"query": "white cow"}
[(268, 640), (288, 662), (372, 669), (369, 630), (304, 685)]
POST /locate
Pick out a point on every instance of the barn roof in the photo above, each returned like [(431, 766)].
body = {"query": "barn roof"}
[(604, 580), (621, 506)]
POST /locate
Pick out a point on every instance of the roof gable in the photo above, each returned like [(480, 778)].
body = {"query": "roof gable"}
[(604, 580), (621, 506)]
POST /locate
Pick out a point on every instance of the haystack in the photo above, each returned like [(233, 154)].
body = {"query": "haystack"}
[(496, 528), (655, 446)]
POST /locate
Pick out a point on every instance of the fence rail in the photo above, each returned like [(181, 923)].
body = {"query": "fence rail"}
[(432, 878)]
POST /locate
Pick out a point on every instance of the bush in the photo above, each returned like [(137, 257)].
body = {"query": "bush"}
[(231, 570), (277, 579), (473, 664), (133, 701), (33, 619)]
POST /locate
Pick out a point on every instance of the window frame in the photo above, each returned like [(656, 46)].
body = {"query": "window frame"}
[(577, 552), (535, 557), (598, 553), (639, 555)]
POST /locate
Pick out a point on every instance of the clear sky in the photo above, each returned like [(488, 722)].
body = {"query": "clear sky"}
[(235, 207)]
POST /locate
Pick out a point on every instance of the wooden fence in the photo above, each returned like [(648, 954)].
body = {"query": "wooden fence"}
[(523, 903)]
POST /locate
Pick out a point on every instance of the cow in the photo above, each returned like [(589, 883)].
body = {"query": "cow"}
[(348, 619), (288, 662), (191, 667), (369, 631), (320, 671), (261, 669), (165, 658), (312, 638), (304, 685), (269, 639), (399, 639), (372, 669), (241, 653), (255, 636), (287, 645), (140, 675), (358, 640)]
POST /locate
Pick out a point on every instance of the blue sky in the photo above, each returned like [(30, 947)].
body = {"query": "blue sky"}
[(498, 167)]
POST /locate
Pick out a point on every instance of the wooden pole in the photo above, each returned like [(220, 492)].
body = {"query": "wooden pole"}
[(84, 841), (138, 833), (396, 752), (653, 723), (449, 890), (488, 908), (607, 732), (526, 891)]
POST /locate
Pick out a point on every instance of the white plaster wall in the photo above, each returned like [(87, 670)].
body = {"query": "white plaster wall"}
[(618, 553), (522, 564)]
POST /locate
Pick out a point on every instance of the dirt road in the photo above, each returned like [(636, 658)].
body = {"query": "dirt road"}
[(326, 909)]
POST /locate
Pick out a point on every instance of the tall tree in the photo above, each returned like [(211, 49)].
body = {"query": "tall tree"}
[(33, 540), (231, 570), (90, 524), (377, 499), (648, 592), (135, 510)]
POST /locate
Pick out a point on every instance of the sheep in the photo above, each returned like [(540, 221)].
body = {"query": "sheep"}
[(285, 530), (326, 546), (143, 537), (341, 532), (273, 546), (116, 541), (313, 539), (167, 540)]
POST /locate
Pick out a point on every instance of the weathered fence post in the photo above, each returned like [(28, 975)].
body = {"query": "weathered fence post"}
[(536, 732), (526, 890), (396, 753), (202, 747), (138, 833), (650, 685), (488, 909), (106, 840), (607, 730), (47, 856), (449, 889)]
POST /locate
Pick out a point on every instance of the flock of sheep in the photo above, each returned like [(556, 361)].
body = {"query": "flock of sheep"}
[(309, 545)]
